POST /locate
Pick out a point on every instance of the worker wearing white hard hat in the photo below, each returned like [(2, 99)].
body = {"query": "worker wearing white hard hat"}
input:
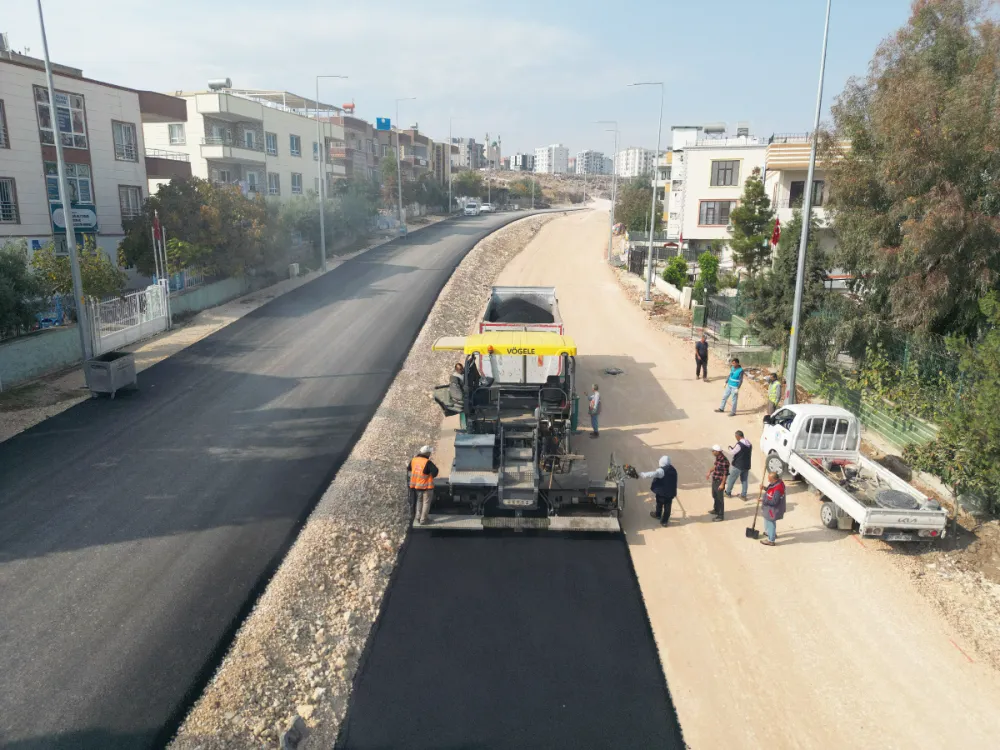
[(664, 489), (420, 473)]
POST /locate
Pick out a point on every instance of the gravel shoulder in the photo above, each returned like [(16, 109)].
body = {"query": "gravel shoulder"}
[(294, 659)]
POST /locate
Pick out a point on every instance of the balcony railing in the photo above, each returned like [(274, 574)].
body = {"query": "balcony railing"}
[(159, 153), (8, 213), (790, 138), (797, 203), (216, 140)]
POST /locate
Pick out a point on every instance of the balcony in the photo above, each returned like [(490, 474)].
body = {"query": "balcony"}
[(221, 148), (165, 165), (228, 107), (154, 107)]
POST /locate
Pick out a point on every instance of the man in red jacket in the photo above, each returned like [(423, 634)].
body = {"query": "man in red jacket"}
[(774, 507)]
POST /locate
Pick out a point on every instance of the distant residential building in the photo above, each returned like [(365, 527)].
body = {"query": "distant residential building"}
[(571, 165), (552, 159), (609, 165), (110, 163), (522, 162), (590, 162), (471, 155), (505, 164), (359, 152), (264, 141), (634, 162)]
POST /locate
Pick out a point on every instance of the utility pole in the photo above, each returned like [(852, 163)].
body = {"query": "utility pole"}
[(793, 344), (399, 164), (652, 202), (320, 161), (450, 202), (64, 197), (614, 185)]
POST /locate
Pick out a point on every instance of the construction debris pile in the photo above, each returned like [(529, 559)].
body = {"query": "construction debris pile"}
[(288, 675)]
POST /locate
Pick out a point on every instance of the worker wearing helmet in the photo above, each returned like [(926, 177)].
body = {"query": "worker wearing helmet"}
[(664, 489), (421, 471)]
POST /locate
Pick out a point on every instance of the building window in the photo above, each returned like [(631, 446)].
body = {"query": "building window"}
[(253, 182), (273, 183), (175, 132), (69, 115), (126, 146), (315, 151), (250, 140), (8, 201), (659, 195), (296, 183), (77, 179), (385, 150), (715, 213), (222, 175), (4, 140), (130, 199), (725, 173), (797, 193), (271, 143), (295, 145)]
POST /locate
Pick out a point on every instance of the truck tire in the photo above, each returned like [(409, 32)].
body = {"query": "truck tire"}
[(775, 464), (828, 514)]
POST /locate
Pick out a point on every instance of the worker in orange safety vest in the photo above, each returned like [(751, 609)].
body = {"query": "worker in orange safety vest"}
[(421, 472)]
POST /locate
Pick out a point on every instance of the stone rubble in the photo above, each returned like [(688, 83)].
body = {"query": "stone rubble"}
[(287, 677)]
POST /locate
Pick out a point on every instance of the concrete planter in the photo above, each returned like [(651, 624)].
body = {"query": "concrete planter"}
[(110, 372)]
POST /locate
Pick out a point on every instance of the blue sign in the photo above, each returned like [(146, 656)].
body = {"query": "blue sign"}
[(383, 123)]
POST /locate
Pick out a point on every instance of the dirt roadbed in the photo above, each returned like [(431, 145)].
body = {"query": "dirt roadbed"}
[(293, 661)]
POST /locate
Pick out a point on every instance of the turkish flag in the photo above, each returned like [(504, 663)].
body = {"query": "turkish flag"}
[(776, 234)]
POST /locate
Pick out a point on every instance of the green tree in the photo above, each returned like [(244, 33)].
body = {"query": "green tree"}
[(632, 206), (916, 198), (964, 453), (708, 276), (98, 273), (751, 224), (468, 184), (770, 295), (390, 180), (521, 188), (676, 272), (21, 291)]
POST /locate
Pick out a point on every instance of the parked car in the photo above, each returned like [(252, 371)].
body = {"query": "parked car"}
[(471, 209), (486, 208)]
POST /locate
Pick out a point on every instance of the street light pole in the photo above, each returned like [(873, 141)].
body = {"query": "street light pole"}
[(399, 164), (652, 202), (450, 200), (74, 260), (320, 161), (614, 185), (793, 344)]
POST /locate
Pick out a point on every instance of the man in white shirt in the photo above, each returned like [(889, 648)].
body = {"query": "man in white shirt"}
[(594, 408)]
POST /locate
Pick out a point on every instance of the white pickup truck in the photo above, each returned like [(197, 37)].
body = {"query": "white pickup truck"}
[(821, 444)]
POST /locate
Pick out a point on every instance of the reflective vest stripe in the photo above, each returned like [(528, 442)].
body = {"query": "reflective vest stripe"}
[(419, 480)]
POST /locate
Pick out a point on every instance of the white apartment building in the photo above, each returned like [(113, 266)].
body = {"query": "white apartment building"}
[(471, 155), (522, 162), (590, 162), (634, 162), (263, 141), (552, 159), (100, 126)]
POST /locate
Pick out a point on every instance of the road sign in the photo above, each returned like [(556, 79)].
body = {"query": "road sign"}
[(383, 123), (84, 218)]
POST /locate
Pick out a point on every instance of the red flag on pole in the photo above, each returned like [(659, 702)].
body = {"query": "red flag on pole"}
[(156, 225), (776, 234)]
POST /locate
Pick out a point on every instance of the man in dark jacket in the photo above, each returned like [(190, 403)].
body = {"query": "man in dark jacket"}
[(664, 489), (740, 467), (701, 358), (774, 507)]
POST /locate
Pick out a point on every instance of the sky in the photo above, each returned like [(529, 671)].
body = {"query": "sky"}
[(533, 72)]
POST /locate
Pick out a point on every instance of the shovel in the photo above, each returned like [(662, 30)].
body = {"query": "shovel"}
[(752, 532)]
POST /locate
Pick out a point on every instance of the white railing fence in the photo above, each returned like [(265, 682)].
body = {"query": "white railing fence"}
[(119, 321)]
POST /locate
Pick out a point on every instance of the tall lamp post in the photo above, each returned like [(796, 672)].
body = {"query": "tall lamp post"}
[(399, 163), (614, 184), (450, 200), (320, 161), (652, 202), (67, 208), (793, 344)]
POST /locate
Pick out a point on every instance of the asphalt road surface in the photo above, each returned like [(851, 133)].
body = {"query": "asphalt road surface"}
[(512, 641), (134, 533)]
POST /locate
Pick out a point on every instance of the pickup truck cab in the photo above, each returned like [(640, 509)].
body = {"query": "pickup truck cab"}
[(821, 445)]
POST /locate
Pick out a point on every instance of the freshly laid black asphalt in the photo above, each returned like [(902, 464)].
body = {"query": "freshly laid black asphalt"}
[(135, 533), (512, 641)]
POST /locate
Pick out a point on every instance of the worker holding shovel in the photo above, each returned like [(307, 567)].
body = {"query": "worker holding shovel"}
[(773, 501)]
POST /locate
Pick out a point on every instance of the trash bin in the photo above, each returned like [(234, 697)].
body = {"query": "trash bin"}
[(110, 372), (575, 418)]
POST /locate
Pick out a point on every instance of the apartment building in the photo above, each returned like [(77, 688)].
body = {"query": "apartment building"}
[(634, 162), (552, 159), (522, 162), (263, 141), (358, 153), (108, 161), (590, 162), (471, 155), (571, 165)]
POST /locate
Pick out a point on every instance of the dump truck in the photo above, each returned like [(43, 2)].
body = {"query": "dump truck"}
[(821, 445), (514, 464)]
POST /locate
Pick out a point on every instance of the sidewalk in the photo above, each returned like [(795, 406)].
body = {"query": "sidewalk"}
[(26, 404)]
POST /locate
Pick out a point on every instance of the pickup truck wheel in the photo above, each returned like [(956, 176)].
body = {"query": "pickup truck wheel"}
[(828, 514), (775, 464)]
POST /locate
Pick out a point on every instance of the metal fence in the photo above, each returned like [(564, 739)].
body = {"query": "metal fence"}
[(118, 321)]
